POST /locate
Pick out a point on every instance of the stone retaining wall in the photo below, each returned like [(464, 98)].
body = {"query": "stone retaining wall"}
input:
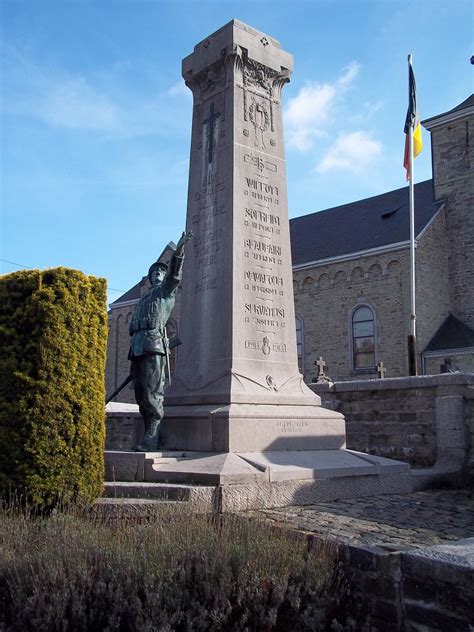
[(418, 590), (427, 421)]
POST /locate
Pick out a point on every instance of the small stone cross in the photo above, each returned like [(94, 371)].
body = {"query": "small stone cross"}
[(210, 121), (321, 365), (381, 370), (322, 377)]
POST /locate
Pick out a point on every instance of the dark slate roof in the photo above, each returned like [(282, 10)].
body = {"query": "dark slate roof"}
[(377, 221), (453, 334), (133, 294), (469, 102)]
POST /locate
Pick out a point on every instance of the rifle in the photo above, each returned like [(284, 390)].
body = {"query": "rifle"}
[(169, 344), (117, 391)]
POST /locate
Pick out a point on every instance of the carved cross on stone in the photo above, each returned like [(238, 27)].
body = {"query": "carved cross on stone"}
[(381, 370), (210, 121)]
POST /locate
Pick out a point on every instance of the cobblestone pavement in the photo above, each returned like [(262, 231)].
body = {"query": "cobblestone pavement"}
[(391, 522)]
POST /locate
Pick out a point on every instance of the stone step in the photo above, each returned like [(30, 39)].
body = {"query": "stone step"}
[(197, 497)]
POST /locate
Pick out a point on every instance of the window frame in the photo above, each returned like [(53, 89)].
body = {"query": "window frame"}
[(352, 363), (299, 319)]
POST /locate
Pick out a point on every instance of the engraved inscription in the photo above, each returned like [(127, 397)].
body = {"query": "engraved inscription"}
[(264, 310), (292, 425), (207, 243), (262, 216), (261, 164), (262, 277), (205, 285), (265, 346), (262, 191), (260, 246), (207, 216), (263, 187)]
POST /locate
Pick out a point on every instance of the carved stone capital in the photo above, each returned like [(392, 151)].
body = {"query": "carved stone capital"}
[(279, 80), (210, 80), (233, 60)]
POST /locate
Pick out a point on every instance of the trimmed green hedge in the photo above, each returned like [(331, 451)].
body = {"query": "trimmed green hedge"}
[(53, 334)]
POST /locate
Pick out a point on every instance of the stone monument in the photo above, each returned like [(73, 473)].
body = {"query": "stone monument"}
[(238, 413), (237, 386)]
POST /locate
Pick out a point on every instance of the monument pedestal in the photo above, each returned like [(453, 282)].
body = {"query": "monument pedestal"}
[(252, 480), (252, 428)]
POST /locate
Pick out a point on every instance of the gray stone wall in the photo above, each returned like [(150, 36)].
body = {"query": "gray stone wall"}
[(453, 157), (430, 588), (325, 297), (462, 361), (118, 342), (432, 280), (426, 421)]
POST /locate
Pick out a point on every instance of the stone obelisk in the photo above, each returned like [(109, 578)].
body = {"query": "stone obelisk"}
[(237, 386)]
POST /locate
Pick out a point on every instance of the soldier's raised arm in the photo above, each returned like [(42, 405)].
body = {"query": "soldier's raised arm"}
[(173, 276), (185, 237)]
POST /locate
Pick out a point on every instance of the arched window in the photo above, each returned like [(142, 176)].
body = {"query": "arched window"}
[(299, 341), (363, 338)]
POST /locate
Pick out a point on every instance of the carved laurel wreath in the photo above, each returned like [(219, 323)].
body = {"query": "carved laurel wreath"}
[(252, 109)]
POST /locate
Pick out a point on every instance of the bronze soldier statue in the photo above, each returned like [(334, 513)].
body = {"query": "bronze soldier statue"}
[(149, 350)]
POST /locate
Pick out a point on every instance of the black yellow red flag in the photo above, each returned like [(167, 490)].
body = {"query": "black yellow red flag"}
[(412, 121)]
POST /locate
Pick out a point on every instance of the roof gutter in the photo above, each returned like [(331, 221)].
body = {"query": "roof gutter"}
[(447, 118), (123, 303), (401, 245)]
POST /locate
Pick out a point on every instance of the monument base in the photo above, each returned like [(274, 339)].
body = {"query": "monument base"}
[(253, 480), (244, 456), (252, 428)]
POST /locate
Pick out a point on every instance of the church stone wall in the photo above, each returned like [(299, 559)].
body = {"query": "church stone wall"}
[(462, 361), (432, 281), (325, 297), (453, 157), (118, 342)]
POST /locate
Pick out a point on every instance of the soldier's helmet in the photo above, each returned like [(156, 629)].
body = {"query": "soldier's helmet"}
[(155, 266)]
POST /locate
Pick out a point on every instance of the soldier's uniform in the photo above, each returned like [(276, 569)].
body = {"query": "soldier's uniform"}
[(147, 348)]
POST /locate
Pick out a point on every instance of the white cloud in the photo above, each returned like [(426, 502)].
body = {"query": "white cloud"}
[(308, 114), (75, 104), (99, 101), (352, 152), (179, 89), (350, 73)]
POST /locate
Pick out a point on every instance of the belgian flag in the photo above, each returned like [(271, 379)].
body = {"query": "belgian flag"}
[(412, 121)]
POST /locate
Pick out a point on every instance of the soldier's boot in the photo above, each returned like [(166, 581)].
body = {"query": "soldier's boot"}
[(151, 438)]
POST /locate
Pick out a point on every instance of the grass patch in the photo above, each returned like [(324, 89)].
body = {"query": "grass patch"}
[(170, 570)]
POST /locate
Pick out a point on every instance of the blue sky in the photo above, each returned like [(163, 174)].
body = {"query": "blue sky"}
[(96, 119)]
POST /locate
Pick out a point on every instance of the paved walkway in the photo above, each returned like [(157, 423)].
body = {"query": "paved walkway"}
[(391, 522)]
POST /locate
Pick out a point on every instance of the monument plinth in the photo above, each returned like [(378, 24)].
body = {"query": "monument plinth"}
[(237, 384)]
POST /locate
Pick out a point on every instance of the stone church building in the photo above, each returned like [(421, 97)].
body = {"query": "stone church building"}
[(351, 275)]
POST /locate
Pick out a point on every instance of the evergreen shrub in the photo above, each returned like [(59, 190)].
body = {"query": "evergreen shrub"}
[(53, 334)]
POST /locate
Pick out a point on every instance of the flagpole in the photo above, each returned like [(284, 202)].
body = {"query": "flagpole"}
[(412, 359)]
